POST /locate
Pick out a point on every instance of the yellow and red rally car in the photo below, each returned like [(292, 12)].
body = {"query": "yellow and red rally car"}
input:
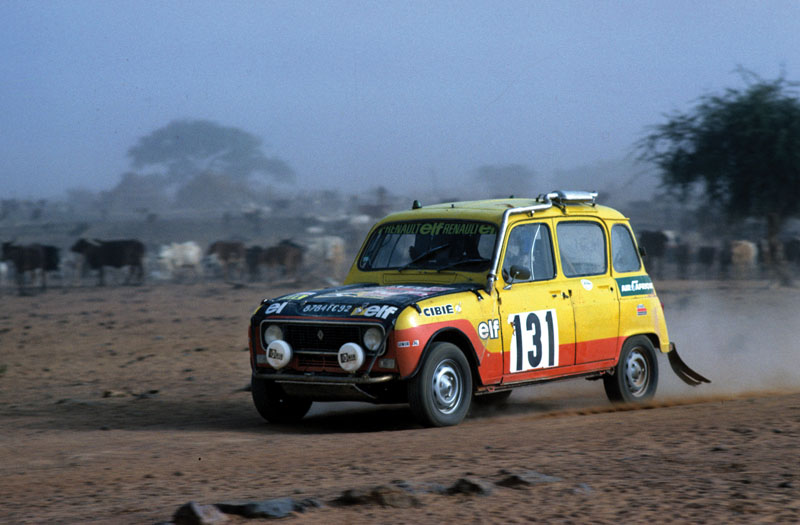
[(469, 299)]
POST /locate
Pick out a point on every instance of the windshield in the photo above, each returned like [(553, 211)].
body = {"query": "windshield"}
[(430, 245)]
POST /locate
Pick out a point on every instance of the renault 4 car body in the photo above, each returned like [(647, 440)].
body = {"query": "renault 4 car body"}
[(469, 300)]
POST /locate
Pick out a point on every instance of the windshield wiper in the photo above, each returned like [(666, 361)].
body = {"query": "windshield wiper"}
[(423, 256), (463, 261)]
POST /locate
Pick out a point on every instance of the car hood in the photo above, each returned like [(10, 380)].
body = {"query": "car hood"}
[(356, 301)]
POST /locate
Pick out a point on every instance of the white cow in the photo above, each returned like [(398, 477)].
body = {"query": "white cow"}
[(182, 259), (744, 256), (328, 255)]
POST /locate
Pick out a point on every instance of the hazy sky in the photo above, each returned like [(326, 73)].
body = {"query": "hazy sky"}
[(365, 93)]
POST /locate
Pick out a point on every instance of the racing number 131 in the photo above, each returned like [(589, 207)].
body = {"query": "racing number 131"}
[(534, 343)]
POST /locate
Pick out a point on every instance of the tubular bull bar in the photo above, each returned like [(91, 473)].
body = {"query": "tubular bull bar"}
[(682, 370)]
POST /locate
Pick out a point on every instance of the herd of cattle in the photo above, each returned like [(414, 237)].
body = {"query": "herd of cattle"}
[(30, 264), (666, 257)]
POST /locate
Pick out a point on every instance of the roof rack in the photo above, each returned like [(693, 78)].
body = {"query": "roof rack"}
[(569, 197)]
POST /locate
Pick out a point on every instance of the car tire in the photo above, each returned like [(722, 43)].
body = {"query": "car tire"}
[(274, 405), (636, 375), (441, 392)]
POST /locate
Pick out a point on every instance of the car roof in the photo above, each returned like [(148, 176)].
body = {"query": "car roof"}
[(491, 210)]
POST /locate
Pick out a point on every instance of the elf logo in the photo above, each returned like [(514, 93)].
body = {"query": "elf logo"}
[(275, 308), (380, 311), (489, 329)]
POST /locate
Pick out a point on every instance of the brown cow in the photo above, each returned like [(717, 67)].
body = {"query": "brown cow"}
[(286, 256), (231, 255), (98, 254), (35, 258)]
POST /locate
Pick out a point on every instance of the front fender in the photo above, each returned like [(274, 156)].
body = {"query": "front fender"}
[(413, 345)]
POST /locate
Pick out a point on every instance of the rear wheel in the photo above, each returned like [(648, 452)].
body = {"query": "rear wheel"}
[(636, 376), (440, 394), (274, 405)]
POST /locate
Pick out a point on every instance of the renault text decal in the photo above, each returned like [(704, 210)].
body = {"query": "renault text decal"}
[(437, 228)]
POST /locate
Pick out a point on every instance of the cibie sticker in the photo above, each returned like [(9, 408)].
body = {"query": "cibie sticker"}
[(587, 284), (444, 309), (534, 341)]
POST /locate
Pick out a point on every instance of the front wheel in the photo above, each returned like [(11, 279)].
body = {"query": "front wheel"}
[(440, 394), (274, 405), (636, 375)]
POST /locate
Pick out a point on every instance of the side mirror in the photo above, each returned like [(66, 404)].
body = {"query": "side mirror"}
[(642, 251), (520, 273), (517, 273)]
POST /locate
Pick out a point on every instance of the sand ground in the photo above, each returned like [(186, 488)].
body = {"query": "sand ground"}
[(118, 405)]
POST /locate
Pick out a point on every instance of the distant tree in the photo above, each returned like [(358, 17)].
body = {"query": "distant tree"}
[(743, 148), (186, 148), (135, 192), (506, 179), (213, 191)]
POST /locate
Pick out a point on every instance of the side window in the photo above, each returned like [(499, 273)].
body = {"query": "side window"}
[(582, 246), (623, 251), (530, 247)]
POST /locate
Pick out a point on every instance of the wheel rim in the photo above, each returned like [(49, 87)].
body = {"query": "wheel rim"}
[(637, 373), (446, 387)]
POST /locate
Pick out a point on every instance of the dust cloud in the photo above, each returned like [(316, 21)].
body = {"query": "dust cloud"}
[(741, 335)]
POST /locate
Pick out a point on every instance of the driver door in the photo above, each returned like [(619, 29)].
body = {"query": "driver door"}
[(538, 327)]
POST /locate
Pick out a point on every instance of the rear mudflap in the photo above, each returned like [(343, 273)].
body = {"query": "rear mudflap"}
[(682, 370)]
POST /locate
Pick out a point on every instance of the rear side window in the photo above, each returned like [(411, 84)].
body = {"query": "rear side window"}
[(623, 250), (582, 247)]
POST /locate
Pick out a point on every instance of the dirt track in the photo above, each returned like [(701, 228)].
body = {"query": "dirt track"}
[(120, 405)]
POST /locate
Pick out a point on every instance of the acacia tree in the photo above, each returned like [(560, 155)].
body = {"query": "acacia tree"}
[(186, 148), (743, 148)]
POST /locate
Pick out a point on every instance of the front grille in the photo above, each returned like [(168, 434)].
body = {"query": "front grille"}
[(326, 362), (320, 337)]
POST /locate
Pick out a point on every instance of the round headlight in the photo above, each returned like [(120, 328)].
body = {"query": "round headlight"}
[(273, 333), (373, 338)]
